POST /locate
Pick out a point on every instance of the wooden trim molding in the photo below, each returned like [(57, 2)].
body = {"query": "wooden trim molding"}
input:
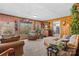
[(7, 52)]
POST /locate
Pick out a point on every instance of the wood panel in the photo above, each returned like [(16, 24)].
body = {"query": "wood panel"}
[(65, 24)]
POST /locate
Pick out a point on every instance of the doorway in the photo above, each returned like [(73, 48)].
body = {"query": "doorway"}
[(56, 28)]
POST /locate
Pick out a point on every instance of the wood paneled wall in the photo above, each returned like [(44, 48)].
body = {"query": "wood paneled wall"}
[(65, 24)]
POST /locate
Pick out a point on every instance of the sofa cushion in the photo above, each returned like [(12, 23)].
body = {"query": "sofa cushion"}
[(73, 41)]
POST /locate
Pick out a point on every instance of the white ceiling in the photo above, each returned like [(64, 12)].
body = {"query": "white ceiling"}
[(38, 11)]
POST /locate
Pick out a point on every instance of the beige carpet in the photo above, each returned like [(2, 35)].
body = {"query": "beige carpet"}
[(36, 48)]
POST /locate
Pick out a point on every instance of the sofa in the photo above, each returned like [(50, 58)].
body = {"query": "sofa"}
[(10, 39), (12, 42), (72, 45)]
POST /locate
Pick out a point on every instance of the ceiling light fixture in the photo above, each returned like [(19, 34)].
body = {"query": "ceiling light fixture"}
[(34, 16)]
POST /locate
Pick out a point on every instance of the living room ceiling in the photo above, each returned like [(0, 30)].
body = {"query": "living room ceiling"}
[(38, 11)]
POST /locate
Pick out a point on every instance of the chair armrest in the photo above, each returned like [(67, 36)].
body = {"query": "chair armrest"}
[(72, 46), (8, 52)]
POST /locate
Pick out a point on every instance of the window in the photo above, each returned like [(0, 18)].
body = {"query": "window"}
[(25, 28), (7, 28)]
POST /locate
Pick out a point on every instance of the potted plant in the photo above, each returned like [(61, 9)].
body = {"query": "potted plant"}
[(75, 25)]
